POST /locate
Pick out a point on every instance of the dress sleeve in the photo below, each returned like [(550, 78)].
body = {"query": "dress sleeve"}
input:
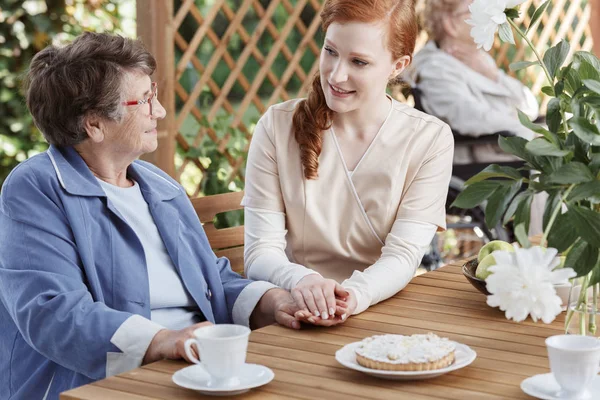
[(264, 249), (263, 189), (400, 256), (425, 198)]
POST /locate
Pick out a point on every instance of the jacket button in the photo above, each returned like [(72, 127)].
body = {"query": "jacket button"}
[(208, 294)]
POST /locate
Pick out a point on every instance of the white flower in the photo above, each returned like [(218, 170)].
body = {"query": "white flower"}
[(522, 282), (486, 16)]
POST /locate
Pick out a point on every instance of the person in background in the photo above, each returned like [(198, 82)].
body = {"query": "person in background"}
[(462, 85), (104, 265), (345, 189)]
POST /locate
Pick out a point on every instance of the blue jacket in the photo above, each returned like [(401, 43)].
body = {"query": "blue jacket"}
[(72, 270)]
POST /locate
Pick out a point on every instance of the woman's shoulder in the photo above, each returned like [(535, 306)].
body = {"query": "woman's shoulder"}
[(420, 124)]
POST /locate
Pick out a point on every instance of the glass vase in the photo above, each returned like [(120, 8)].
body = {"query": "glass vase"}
[(583, 316)]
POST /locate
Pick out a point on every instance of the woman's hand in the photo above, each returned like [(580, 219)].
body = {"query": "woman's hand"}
[(344, 308), (317, 295), (169, 344)]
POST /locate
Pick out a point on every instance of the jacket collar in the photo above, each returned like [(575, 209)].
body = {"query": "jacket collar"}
[(76, 178)]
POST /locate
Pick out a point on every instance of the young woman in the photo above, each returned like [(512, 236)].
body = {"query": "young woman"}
[(347, 185)]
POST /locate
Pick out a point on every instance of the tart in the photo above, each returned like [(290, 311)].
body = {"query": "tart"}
[(405, 353)]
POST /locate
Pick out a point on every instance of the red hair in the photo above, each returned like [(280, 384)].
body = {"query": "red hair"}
[(313, 116)]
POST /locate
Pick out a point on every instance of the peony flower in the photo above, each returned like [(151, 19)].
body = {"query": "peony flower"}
[(522, 283), (486, 17)]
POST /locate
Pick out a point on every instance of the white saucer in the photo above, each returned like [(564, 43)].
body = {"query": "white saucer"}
[(195, 377), (347, 357), (544, 386)]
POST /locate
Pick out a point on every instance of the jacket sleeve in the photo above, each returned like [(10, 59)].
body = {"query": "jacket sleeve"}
[(42, 283)]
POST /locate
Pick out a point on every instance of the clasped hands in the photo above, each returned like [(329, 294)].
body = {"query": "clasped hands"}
[(322, 301)]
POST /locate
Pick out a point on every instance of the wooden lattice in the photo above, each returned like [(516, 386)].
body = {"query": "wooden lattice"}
[(564, 19)]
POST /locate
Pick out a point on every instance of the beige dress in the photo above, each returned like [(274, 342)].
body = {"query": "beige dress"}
[(340, 222)]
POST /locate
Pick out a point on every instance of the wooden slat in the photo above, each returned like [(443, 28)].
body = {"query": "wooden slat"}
[(227, 237), (235, 256), (208, 207)]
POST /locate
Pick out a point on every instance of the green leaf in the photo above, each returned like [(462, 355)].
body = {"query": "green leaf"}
[(526, 122), (475, 194), (553, 116), (516, 146), (589, 57), (585, 130), (587, 224), (521, 235), (519, 65), (498, 202), (559, 87), (495, 171), (593, 85), (582, 258), (511, 13), (555, 57), (588, 190), (541, 147), (506, 34), (587, 71), (551, 204), (514, 204), (562, 234), (523, 213), (572, 81), (595, 275), (574, 172), (548, 90), (537, 14)]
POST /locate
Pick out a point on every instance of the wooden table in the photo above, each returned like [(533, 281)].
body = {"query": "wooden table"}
[(442, 302)]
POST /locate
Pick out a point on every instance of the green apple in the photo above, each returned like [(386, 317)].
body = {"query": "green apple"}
[(493, 246), (482, 270)]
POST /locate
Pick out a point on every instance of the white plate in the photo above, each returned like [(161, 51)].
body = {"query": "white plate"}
[(347, 357), (544, 386), (195, 377)]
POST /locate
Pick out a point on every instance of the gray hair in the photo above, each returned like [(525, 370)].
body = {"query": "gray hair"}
[(66, 84), (433, 13)]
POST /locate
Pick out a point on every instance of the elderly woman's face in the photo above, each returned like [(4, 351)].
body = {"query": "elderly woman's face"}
[(136, 133), (459, 15)]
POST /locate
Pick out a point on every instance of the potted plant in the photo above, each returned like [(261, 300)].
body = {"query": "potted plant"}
[(563, 161)]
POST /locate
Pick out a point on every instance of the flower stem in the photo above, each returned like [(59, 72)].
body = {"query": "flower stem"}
[(592, 324), (543, 65), (537, 55), (555, 214)]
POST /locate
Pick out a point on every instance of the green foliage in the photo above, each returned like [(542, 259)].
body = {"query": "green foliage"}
[(26, 27), (563, 161)]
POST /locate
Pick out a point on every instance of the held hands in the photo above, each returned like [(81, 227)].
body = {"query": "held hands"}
[(322, 301)]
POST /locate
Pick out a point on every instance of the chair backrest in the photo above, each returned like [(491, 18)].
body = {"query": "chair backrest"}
[(226, 242)]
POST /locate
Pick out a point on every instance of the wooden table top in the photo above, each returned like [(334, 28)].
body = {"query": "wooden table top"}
[(442, 302)]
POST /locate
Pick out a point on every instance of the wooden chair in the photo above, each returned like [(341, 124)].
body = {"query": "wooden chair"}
[(227, 242)]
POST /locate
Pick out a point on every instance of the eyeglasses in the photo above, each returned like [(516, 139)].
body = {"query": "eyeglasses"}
[(149, 100)]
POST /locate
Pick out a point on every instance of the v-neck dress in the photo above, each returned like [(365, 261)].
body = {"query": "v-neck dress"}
[(338, 223)]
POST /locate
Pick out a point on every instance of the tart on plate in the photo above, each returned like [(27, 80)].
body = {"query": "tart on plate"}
[(421, 352)]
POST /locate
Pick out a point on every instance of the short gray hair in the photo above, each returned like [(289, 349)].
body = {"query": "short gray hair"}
[(66, 84), (433, 14)]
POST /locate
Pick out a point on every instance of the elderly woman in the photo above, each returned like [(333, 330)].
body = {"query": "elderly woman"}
[(104, 265), (462, 85)]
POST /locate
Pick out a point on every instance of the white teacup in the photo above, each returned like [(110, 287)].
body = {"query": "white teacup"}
[(222, 349), (574, 361)]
